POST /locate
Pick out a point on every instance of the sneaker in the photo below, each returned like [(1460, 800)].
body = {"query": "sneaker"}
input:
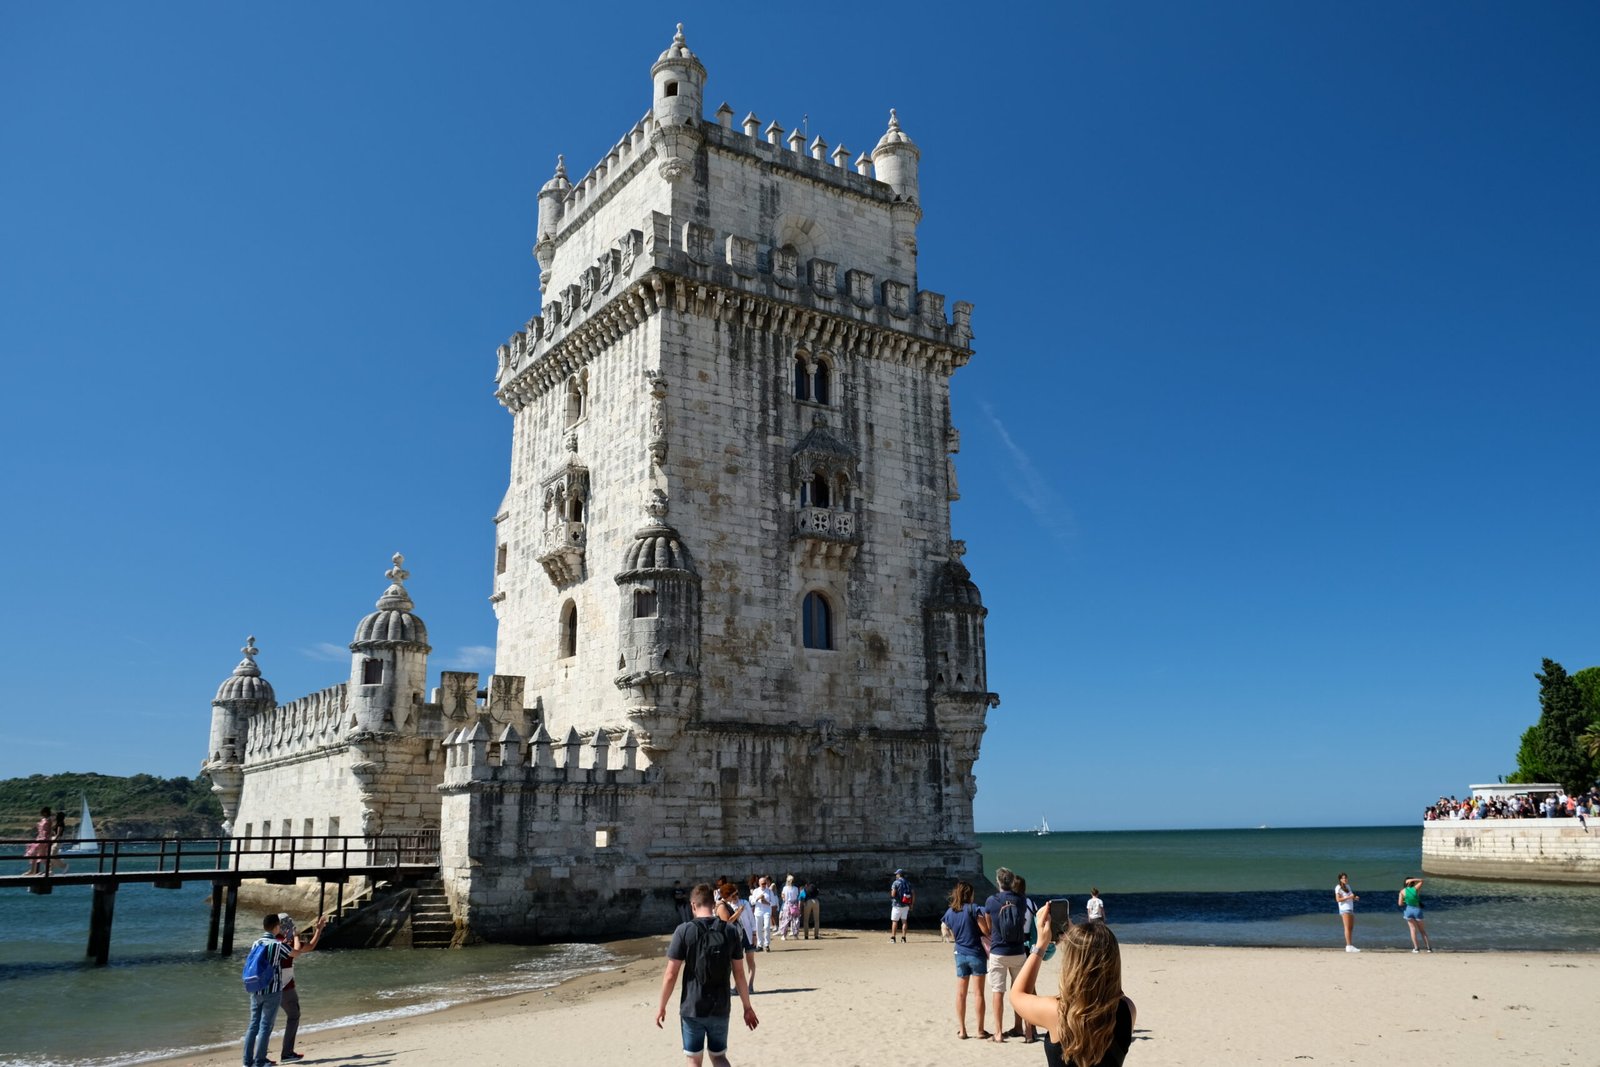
[(1414, 951), (891, 939), (903, 940), (1351, 948), (290, 1057)]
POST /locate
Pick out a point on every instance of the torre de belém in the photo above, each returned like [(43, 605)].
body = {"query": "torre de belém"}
[(734, 631)]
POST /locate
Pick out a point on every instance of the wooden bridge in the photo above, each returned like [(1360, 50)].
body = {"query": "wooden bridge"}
[(169, 863)]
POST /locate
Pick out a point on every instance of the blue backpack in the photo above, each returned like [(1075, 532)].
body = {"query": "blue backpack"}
[(261, 966)]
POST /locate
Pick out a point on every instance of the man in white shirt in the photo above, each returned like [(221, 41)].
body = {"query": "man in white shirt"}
[(765, 899)]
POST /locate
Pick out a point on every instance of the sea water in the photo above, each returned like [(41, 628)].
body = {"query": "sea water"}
[(1275, 887), (163, 993)]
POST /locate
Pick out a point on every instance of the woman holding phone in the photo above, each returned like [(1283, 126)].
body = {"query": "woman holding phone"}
[(1088, 1022)]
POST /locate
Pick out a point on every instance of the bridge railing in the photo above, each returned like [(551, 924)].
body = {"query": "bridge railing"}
[(284, 854)]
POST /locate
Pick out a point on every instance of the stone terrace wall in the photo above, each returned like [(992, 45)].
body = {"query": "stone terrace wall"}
[(1522, 850)]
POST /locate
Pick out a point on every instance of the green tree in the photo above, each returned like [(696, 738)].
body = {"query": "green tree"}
[(1530, 761), (1589, 740), (1588, 683), (1562, 717)]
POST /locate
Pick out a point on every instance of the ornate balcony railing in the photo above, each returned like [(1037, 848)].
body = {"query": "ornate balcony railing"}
[(827, 533), (561, 555)]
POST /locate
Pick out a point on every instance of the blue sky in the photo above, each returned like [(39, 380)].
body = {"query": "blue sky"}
[(1278, 449)]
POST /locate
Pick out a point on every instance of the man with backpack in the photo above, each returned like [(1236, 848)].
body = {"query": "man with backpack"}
[(901, 898), (706, 951), (263, 981), (1008, 932)]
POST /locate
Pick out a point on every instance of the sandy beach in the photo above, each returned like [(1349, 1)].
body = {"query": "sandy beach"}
[(853, 998)]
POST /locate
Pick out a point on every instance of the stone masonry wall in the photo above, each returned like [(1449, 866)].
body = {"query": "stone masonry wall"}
[(1522, 850)]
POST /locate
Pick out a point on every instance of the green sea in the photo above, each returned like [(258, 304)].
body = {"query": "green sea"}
[(163, 993)]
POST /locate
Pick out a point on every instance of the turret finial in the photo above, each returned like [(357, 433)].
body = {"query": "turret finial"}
[(677, 38), (894, 119), (561, 166), (250, 650), (397, 573)]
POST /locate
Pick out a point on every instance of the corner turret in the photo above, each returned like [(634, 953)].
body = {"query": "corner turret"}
[(551, 198), (242, 694), (894, 161), (389, 661), (660, 628), (679, 83)]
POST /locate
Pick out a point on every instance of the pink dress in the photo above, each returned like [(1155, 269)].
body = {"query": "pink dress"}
[(41, 843)]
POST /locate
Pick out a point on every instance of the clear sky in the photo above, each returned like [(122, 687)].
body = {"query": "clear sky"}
[(1279, 447)]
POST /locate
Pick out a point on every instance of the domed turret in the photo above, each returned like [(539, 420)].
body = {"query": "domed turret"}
[(551, 199), (659, 668), (655, 548), (393, 623), (242, 694), (680, 82), (955, 628), (894, 161), (245, 684), (389, 659), (678, 107)]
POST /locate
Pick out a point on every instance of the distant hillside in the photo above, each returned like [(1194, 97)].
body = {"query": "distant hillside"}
[(140, 806)]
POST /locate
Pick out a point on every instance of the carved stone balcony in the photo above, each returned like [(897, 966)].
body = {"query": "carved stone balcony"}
[(827, 534), (561, 555)]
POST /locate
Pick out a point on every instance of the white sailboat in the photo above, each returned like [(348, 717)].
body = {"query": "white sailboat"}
[(1044, 828), (87, 844)]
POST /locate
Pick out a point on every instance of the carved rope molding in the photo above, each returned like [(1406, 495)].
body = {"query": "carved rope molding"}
[(658, 289)]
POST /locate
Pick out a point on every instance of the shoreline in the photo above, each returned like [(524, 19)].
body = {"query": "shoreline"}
[(853, 998)]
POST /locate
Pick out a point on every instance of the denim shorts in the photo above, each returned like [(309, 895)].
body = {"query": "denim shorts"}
[(970, 966), (1413, 912), (706, 1034)]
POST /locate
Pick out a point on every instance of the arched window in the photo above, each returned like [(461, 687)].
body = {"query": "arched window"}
[(802, 379), (814, 492), (569, 630), (575, 508), (816, 623), (644, 604), (820, 382)]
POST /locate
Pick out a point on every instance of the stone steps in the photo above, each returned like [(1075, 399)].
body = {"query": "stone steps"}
[(433, 925)]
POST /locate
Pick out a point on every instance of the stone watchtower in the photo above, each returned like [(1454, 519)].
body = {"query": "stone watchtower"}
[(724, 561)]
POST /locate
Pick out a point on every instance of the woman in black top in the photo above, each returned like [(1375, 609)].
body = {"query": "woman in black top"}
[(1089, 1023)]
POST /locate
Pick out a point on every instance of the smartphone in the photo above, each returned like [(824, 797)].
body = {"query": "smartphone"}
[(1060, 918)]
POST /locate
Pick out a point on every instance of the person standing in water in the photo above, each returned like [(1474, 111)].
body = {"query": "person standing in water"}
[(1346, 898), (1411, 900)]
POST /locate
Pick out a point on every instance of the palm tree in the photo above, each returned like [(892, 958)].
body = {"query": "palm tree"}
[(1589, 740)]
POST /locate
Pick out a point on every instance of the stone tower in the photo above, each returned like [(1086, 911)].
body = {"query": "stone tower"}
[(726, 538)]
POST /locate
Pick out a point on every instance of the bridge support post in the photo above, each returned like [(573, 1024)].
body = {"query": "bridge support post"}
[(228, 913), (101, 911), (217, 889)]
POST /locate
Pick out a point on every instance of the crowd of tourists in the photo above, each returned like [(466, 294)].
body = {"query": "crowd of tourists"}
[(1519, 806), (997, 945)]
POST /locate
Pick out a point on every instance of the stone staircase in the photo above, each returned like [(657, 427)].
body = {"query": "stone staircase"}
[(432, 924)]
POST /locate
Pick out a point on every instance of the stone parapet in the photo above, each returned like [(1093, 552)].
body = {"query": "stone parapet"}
[(690, 266), (1518, 850), (305, 725)]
